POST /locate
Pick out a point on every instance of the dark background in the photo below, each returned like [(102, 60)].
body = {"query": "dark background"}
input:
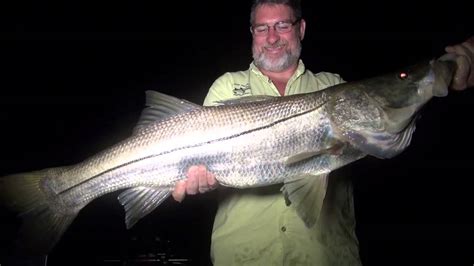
[(73, 79)]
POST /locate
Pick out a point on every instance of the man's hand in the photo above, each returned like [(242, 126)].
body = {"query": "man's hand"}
[(199, 181), (464, 74)]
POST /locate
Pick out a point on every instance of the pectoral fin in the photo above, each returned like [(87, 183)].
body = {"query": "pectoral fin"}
[(306, 194), (301, 157), (333, 148), (140, 201)]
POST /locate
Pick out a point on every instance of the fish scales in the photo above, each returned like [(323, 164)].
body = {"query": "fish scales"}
[(162, 167), (210, 124)]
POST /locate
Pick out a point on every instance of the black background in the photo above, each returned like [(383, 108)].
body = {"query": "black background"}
[(73, 79)]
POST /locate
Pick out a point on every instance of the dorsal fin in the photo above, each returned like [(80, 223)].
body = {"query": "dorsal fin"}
[(161, 106)]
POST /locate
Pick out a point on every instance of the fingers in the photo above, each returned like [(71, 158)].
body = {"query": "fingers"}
[(464, 74), (203, 186), (211, 181), (199, 180), (179, 192), (205, 180), (194, 175)]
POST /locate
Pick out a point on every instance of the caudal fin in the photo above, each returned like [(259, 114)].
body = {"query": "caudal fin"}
[(42, 225)]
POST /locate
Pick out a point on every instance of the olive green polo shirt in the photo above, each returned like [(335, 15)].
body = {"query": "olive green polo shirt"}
[(254, 226)]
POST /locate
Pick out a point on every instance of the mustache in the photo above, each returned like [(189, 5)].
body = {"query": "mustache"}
[(275, 45)]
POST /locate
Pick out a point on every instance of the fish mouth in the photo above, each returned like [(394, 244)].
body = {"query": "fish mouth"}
[(436, 82)]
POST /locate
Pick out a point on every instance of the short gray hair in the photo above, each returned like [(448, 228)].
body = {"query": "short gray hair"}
[(295, 5)]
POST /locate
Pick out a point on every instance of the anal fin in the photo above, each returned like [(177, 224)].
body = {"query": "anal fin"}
[(140, 201)]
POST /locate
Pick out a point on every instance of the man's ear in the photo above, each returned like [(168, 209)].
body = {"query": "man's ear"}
[(302, 28)]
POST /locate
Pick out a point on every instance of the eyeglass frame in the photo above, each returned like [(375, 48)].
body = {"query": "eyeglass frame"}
[(274, 26)]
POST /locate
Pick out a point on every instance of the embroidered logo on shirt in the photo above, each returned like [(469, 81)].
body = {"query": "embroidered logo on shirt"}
[(241, 89)]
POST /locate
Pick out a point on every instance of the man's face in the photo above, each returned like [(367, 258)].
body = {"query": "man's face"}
[(276, 51)]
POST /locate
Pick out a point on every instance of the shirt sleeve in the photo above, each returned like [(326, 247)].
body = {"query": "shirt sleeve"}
[(221, 89)]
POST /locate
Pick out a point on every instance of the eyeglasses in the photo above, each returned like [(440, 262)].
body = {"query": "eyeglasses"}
[(280, 27)]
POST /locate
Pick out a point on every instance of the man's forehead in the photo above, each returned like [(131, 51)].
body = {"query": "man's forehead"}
[(272, 13)]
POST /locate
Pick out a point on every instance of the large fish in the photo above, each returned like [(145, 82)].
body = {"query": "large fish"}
[(258, 141)]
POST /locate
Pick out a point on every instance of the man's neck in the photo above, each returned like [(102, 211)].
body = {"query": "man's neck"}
[(280, 79)]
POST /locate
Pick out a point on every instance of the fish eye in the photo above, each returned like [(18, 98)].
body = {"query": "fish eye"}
[(403, 75)]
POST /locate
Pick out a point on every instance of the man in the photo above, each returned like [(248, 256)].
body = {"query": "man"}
[(255, 226)]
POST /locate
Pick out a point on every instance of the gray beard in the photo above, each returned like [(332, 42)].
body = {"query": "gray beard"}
[(276, 65)]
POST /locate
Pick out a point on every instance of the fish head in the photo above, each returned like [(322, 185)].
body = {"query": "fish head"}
[(411, 86), (377, 115), (400, 95)]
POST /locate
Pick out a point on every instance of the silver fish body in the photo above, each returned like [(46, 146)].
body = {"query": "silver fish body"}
[(296, 140)]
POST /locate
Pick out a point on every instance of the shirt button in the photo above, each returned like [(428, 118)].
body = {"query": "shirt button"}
[(283, 228)]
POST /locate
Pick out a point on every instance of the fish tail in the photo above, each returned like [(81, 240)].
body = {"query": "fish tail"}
[(42, 225)]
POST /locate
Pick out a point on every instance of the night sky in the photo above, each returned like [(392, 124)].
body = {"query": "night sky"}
[(73, 80)]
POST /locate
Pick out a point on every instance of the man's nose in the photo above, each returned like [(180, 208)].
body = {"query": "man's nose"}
[(273, 36)]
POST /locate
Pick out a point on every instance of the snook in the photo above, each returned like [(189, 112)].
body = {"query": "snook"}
[(296, 140)]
